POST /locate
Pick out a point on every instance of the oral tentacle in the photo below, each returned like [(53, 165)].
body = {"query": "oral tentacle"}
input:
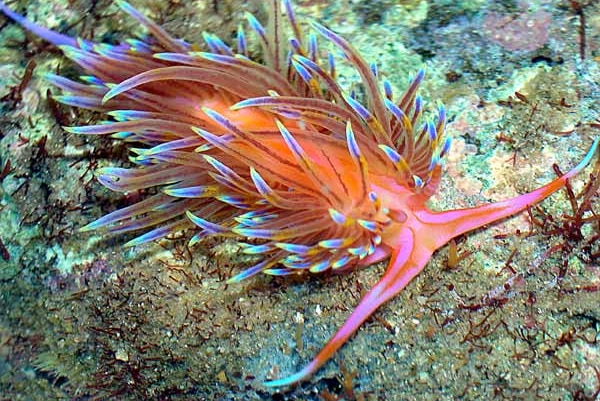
[(450, 224), (407, 261)]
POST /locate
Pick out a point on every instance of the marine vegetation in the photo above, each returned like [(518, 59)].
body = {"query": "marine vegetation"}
[(270, 150)]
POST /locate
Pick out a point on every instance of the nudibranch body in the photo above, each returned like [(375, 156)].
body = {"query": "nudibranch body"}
[(275, 153)]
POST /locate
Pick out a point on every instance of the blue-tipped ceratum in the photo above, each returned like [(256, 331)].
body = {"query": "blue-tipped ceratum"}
[(274, 151)]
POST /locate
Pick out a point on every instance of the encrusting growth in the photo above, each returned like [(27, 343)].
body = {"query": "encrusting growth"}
[(275, 152)]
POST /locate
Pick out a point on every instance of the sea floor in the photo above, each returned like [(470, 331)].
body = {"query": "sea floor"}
[(517, 317)]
